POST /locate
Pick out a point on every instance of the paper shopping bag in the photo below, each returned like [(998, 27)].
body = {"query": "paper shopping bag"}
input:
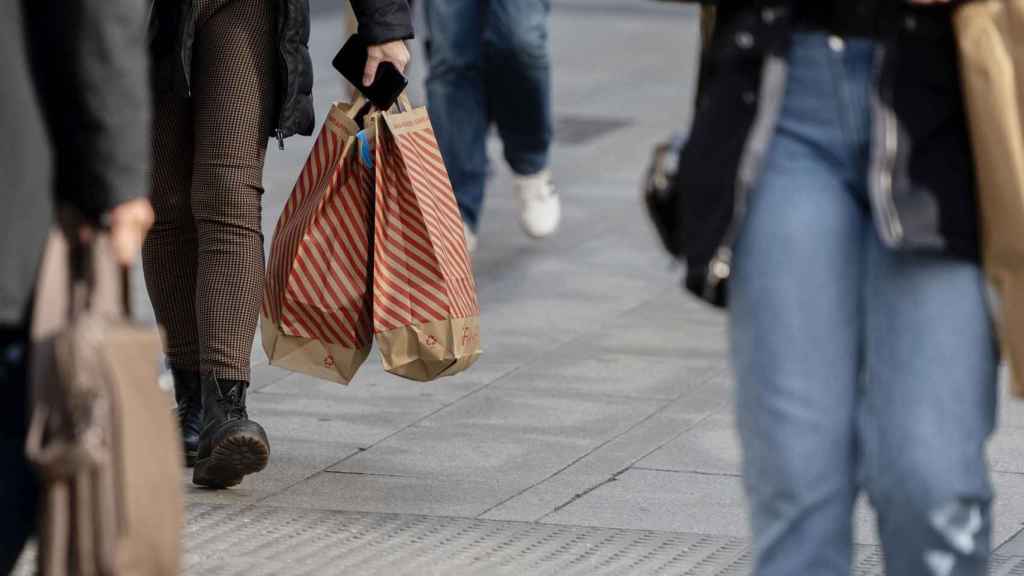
[(425, 313), (316, 310), (102, 439), (990, 34)]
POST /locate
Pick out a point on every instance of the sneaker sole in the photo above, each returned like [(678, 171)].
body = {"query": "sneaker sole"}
[(231, 460)]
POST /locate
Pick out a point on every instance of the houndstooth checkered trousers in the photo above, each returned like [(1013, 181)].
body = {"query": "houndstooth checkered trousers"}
[(203, 259)]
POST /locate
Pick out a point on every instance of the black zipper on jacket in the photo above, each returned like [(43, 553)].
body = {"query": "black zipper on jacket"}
[(282, 76)]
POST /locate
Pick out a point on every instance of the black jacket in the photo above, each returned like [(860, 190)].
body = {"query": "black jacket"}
[(75, 108), (922, 177), (173, 31)]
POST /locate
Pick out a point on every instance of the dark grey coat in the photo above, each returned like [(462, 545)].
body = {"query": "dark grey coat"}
[(74, 107)]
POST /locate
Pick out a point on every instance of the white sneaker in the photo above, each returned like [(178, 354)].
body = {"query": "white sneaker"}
[(470, 238), (541, 208)]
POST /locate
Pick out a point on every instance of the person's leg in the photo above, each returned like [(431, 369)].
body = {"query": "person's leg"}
[(795, 328), (170, 250), (517, 80), (929, 408), (169, 258), (234, 74), (455, 94), (233, 90), (18, 485)]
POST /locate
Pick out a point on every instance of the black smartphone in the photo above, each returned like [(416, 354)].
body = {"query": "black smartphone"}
[(388, 84)]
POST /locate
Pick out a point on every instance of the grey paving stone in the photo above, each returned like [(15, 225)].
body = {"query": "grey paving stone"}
[(1008, 508), (394, 494), (520, 348), (554, 413), (580, 367), (454, 453), (678, 501), (611, 458), (710, 447), (652, 500), (358, 420), (1006, 450), (1011, 408)]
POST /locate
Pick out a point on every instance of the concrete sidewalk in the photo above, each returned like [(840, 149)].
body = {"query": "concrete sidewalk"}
[(594, 437)]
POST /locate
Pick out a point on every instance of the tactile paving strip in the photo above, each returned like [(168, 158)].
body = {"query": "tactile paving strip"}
[(230, 540)]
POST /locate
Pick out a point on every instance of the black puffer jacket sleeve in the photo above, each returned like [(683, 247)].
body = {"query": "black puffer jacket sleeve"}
[(383, 20)]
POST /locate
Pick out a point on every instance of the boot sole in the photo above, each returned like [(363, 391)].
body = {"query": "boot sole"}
[(232, 459)]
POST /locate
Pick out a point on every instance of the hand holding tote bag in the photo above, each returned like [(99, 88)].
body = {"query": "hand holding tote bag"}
[(316, 311), (102, 436), (990, 34)]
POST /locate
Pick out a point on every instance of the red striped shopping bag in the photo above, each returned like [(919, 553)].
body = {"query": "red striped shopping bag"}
[(425, 312), (316, 311)]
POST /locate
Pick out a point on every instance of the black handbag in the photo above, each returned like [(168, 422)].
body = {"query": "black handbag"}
[(662, 197)]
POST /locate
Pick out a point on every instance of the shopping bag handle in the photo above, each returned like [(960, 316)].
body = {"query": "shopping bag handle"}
[(404, 102), (93, 267)]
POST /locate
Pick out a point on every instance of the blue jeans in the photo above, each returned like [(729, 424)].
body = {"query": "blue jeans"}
[(857, 367), (18, 491), (488, 61)]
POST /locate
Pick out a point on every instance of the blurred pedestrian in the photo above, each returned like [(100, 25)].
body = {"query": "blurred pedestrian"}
[(832, 187), (489, 61), (228, 74), (75, 104)]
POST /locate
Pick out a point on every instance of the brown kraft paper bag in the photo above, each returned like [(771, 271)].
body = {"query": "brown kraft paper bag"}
[(316, 311), (990, 34), (102, 436), (425, 312)]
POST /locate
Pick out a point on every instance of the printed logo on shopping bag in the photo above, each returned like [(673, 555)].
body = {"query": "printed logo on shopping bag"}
[(469, 336), (432, 341), (329, 361)]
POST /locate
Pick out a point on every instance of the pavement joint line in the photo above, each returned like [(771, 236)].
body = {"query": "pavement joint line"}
[(1009, 539), (579, 495), (369, 474), (621, 471), (691, 472)]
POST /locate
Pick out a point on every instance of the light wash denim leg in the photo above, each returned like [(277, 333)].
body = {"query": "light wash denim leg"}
[(857, 367), (489, 62)]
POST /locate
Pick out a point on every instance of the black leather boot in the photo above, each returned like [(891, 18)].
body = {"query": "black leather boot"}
[(189, 395), (230, 446)]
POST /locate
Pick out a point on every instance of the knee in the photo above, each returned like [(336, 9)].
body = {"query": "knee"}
[(447, 60), (787, 476), (522, 41), (955, 509), (227, 195)]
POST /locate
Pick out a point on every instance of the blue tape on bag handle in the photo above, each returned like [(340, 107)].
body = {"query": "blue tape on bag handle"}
[(365, 149)]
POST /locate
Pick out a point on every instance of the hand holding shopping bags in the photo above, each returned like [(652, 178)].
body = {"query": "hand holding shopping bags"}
[(372, 245)]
